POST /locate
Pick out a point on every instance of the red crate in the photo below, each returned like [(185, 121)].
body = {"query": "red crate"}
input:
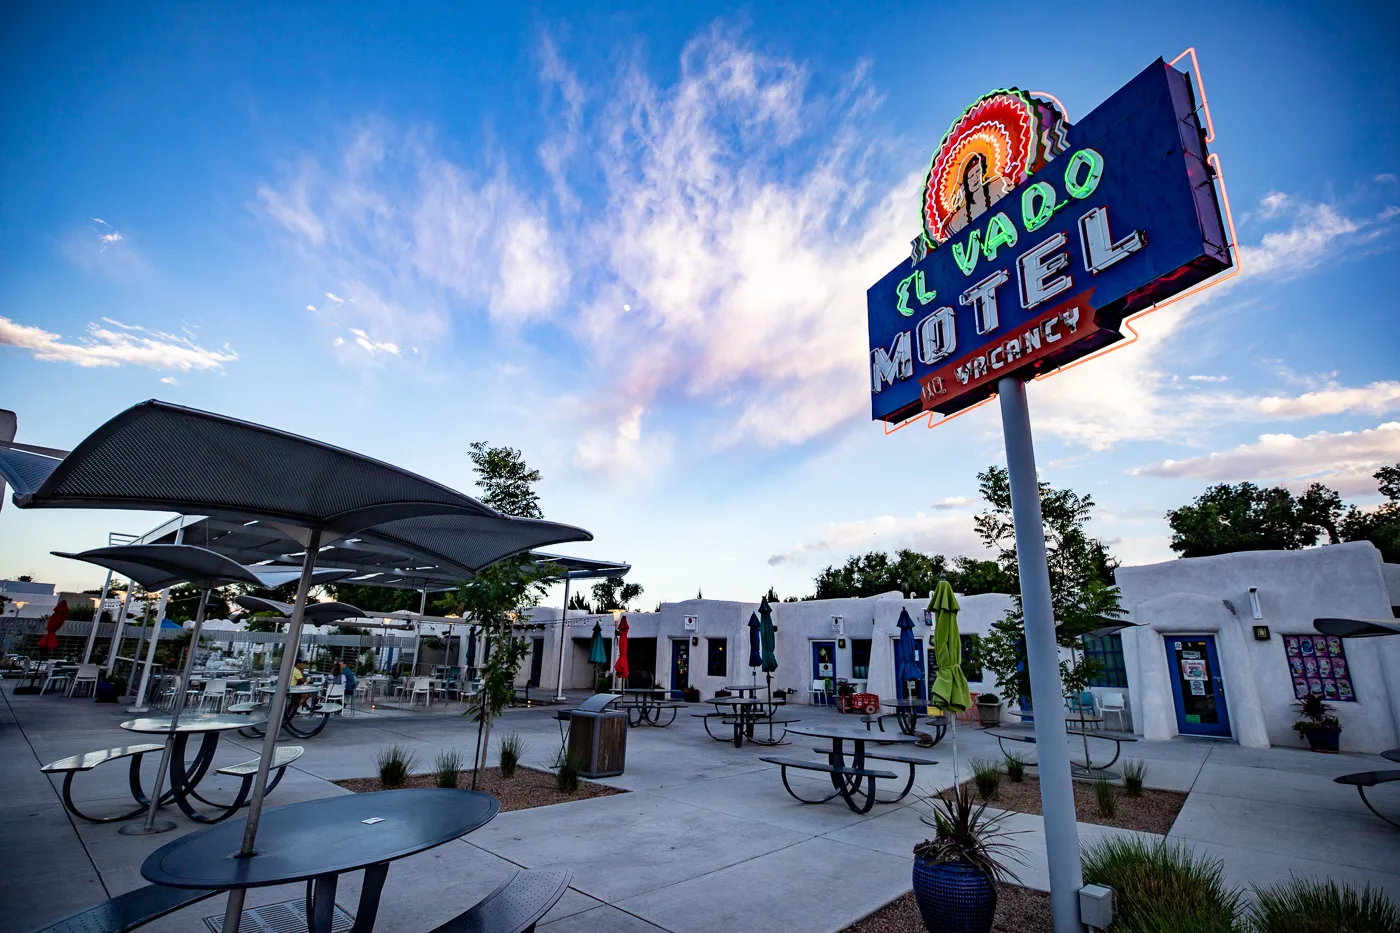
[(866, 702)]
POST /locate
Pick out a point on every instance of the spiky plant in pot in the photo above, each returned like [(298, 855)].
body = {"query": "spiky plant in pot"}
[(956, 872)]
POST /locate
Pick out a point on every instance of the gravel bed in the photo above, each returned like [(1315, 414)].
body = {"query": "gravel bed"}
[(1019, 910), (527, 788), (1153, 812)]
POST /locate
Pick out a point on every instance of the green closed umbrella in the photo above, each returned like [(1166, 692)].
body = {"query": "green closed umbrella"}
[(768, 641), (949, 689), (597, 653)]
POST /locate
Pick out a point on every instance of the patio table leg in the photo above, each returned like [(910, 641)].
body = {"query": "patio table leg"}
[(370, 890), (320, 903)]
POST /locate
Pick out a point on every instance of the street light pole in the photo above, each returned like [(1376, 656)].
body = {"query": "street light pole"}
[(563, 631), (1042, 661)]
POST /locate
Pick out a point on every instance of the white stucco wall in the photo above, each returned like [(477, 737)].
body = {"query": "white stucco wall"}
[(1210, 595)]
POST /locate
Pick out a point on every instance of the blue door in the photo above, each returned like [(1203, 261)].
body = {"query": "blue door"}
[(824, 667), (680, 664), (1197, 688)]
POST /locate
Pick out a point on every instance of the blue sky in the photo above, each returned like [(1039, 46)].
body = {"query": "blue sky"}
[(634, 242)]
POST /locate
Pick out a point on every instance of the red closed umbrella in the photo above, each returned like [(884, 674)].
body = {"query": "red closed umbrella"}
[(56, 620), (621, 665)]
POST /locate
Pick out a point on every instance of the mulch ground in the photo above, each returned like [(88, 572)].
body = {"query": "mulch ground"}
[(525, 789), (1153, 812), (1019, 910)]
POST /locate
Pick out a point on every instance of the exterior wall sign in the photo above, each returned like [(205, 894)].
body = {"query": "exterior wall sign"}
[(1039, 237), (1318, 664)]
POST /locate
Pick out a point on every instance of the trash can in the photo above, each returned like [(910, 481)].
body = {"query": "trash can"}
[(600, 742)]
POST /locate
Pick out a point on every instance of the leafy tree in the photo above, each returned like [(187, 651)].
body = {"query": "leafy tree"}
[(506, 482), (1082, 593), (1380, 526), (579, 601), (183, 603), (909, 572), (612, 593), (772, 595), (376, 599), (1245, 517)]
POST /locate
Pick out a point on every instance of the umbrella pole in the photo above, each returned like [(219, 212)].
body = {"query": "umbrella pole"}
[(233, 914), (178, 707)]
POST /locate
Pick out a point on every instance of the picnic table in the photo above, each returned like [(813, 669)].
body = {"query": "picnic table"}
[(647, 706), (184, 777), (289, 713), (1392, 754), (847, 775), (352, 832), (744, 714), (746, 689), (1086, 770)]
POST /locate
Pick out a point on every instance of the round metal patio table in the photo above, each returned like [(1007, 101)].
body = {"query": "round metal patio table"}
[(746, 712), (647, 711), (289, 714), (1392, 754), (317, 841), (849, 787), (907, 712), (183, 777)]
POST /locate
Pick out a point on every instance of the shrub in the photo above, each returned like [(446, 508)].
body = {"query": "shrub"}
[(567, 777), (1103, 791), (447, 766), (1305, 906), (1160, 886), (1133, 774), (395, 762), (1015, 767), (1315, 715), (511, 748), (964, 833), (987, 776)]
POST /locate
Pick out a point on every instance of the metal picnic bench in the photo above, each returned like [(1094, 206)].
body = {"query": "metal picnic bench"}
[(846, 777), (1364, 779), (1088, 769)]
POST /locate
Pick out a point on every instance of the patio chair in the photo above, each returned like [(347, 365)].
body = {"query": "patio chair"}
[(86, 674), (216, 693), (422, 686), (56, 675), (1113, 703)]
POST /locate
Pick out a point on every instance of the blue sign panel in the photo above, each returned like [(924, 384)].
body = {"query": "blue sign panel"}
[(1123, 216)]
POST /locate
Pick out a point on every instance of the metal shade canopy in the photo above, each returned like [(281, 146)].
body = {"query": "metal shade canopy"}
[(315, 613), (157, 566), (1357, 628), (158, 456)]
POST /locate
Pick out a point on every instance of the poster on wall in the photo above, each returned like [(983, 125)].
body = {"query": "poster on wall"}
[(1318, 664)]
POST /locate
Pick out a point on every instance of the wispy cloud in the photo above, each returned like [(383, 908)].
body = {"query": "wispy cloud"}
[(1344, 460), (372, 347), (127, 345), (103, 248), (948, 533), (1200, 378)]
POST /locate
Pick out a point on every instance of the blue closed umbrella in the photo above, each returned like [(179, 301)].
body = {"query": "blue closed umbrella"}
[(905, 662)]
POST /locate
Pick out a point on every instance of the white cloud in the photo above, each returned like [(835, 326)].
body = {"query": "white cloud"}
[(1132, 395), (103, 346), (1344, 460), (170, 381), (311, 307), (951, 534), (618, 449), (952, 502), (372, 347), (336, 298), (1208, 378), (103, 248), (1274, 203), (338, 342)]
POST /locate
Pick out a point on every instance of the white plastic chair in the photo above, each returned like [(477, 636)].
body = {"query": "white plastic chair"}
[(1112, 703), (86, 674), (422, 686), (215, 691)]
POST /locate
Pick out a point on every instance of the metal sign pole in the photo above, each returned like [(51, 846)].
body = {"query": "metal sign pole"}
[(1042, 661)]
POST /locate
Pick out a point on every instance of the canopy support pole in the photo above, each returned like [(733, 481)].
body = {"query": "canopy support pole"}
[(563, 631), (97, 619), (111, 663), (1042, 661), (151, 826), (233, 914), (140, 706)]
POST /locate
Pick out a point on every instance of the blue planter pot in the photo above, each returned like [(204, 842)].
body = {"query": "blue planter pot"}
[(954, 897), (1324, 740)]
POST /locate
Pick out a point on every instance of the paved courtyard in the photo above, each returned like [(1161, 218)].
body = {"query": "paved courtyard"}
[(707, 841)]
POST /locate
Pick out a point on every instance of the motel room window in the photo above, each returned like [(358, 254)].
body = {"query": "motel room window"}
[(971, 658), (860, 658), (717, 660), (1108, 651)]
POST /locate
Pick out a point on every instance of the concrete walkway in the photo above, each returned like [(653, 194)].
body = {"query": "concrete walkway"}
[(708, 840)]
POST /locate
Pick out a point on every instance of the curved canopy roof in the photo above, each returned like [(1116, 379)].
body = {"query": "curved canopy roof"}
[(1357, 628), (156, 566), (165, 457), (315, 613)]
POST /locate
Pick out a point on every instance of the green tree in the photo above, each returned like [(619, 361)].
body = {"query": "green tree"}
[(376, 599), (1245, 517), (612, 593), (909, 572), (183, 603), (506, 482), (579, 601), (1380, 526), (1082, 594)]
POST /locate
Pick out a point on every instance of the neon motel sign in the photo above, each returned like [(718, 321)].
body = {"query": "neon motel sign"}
[(1039, 237)]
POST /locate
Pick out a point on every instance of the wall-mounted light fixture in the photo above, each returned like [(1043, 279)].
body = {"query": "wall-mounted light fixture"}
[(1254, 602), (695, 641)]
